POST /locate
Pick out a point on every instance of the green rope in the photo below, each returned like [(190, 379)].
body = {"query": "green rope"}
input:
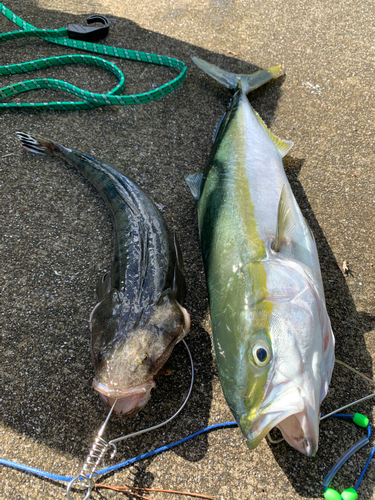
[(89, 99)]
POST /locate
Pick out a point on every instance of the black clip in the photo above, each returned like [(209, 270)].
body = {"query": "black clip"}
[(89, 33)]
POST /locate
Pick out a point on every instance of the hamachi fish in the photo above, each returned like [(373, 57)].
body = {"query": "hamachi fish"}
[(272, 336), (139, 317)]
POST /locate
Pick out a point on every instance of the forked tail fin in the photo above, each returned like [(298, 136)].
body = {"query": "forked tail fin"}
[(37, 144), (233, 80)]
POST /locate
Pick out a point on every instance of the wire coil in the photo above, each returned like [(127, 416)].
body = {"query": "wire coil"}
[(86, 478), (98, 450)]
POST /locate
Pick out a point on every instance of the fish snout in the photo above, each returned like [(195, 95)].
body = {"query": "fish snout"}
[(287, 408), (310, 447), (298, 432)]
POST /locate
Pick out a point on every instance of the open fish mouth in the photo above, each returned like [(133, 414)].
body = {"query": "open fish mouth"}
[(129, 401), (290, 415), (294, 427)]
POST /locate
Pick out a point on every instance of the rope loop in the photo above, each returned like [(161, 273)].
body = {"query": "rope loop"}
[(87, 100)]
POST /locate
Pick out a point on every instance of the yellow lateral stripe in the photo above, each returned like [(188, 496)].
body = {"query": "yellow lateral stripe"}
[(249, 223), (242, 187)]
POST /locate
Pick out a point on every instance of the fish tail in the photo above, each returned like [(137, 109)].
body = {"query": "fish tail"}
[(232, 80), (39, 145)]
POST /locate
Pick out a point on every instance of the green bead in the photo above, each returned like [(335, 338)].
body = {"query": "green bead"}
[(349, 494), (331, 494), (360, 420)]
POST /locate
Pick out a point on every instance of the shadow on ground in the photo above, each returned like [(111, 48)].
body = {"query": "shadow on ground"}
[(349, 327), (56, 243), (54, 227)]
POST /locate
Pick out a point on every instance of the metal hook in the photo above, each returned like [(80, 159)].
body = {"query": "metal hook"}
[(113, 441), (98, 450), (100, 446), (89, 33)]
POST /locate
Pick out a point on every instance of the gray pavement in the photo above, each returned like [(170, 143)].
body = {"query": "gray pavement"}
[(56, 235)]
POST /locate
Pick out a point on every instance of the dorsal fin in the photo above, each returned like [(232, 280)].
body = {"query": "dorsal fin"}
[(282, 146)]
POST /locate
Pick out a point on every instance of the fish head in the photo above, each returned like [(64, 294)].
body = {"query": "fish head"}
[(127, 358), (282, 374)]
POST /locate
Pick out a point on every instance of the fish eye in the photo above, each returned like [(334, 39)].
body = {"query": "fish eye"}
[(261, 354), (143, 358)]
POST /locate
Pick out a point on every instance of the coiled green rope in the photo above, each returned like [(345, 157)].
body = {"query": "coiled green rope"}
[(89, 99)]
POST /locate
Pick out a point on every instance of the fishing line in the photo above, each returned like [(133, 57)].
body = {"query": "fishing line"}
[(112, 468), (80, 37), (350, 493), (361, 421), (355, 371), (100, 447), (329, 494)]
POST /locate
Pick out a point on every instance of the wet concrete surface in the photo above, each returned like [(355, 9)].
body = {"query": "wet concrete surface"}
[(56, 235)]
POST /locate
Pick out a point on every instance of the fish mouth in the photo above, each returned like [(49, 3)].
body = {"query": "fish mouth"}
[(291, 415), (129, 401)]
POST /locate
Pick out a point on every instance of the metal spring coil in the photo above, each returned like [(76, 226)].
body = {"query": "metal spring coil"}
[(98, 450)]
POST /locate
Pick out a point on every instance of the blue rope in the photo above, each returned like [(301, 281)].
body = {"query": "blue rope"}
[(130, 461), (351, 416), (32, 470), (166, 447), (364, 469), (347, 457), (339, 415), (55, 477)]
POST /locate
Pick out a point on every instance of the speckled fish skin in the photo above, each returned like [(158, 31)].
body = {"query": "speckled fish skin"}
[(139, 317), (273, 341)]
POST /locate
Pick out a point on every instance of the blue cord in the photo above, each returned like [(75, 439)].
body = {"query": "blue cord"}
[(341, 461), (32, 470), (55, 477), (364, 469), (338, 415), (112, 468), (348, 454)]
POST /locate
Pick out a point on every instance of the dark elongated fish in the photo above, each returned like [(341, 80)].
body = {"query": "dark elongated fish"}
[(139, 317), (273, 340)]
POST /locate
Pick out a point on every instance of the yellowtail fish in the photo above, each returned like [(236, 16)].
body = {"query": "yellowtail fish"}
[(139, 317), (273, 340)]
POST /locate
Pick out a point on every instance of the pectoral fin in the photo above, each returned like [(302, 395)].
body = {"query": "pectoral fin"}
[(104, 286), (286, 223), (194, 182), (294, 238), (179, 284)]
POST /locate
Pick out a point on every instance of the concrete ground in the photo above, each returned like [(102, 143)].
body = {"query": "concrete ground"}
[(56, 235)]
